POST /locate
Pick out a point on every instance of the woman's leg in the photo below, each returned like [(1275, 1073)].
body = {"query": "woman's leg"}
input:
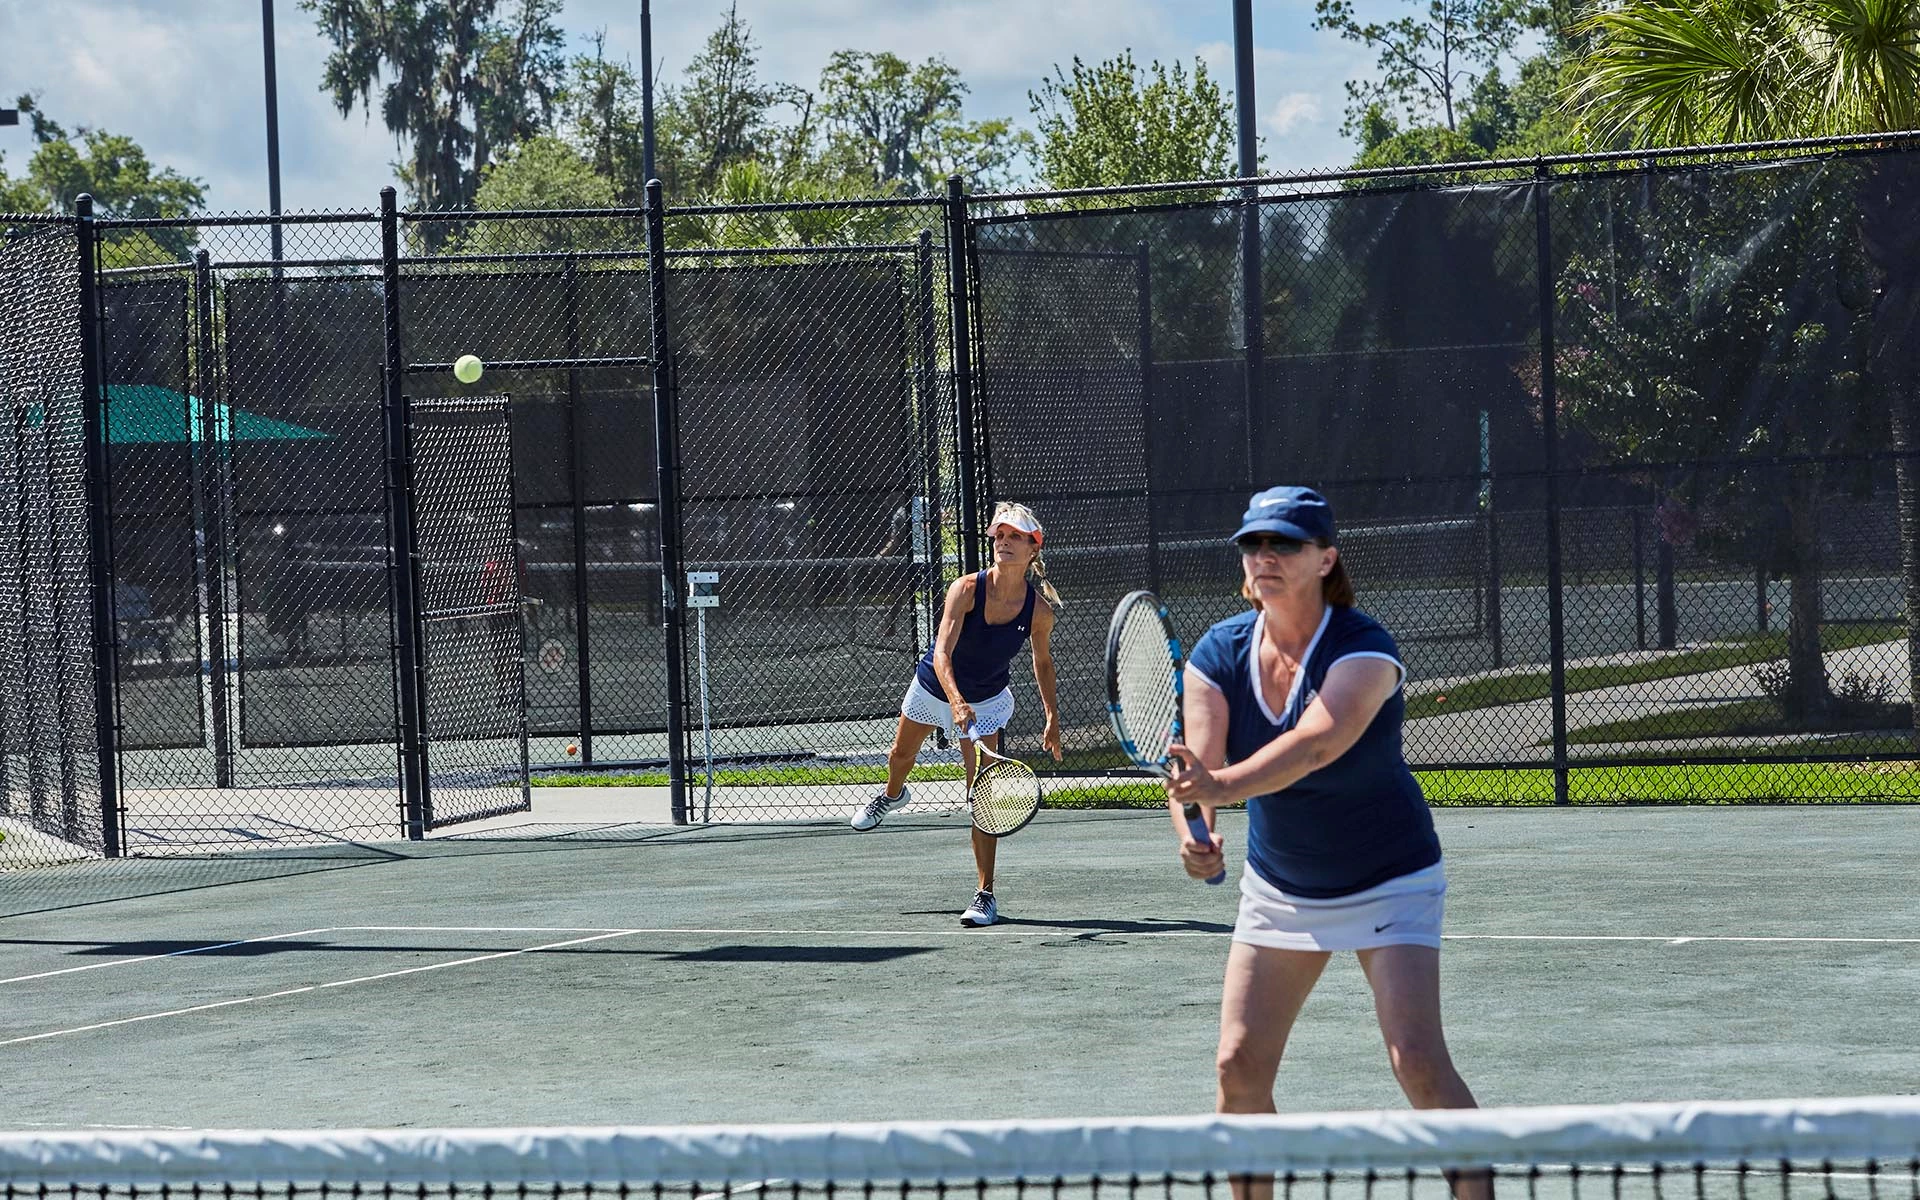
[(984, 847), (907, 739), (1406, 999), (1263, 994)]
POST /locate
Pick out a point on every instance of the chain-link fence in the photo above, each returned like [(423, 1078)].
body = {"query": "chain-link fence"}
[(1621, 452), (51, 766), (1616, 452), (811, 365)]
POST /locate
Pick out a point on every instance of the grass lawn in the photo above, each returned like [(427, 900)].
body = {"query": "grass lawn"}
[(1739, 652), (1092, 761), (802, 774), (1811, 783)]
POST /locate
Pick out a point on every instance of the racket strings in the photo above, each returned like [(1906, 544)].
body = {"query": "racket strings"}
[(1005, 793), (1143, 675)]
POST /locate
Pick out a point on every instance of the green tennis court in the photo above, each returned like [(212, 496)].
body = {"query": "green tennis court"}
[(560, 969)]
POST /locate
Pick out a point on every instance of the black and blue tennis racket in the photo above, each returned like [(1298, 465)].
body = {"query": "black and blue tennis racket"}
[(1144, 691)]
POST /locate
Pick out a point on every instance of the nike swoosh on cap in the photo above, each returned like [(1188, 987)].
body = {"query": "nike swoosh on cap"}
[(1272, 502)]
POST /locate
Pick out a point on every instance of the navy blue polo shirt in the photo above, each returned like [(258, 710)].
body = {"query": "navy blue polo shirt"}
[(1354, 823)]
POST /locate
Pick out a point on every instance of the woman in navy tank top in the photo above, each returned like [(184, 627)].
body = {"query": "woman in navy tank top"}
[(964, 678), (1295, 708)]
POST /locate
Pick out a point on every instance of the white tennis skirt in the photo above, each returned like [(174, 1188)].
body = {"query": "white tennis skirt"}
[(1401, 911), (990, 716)]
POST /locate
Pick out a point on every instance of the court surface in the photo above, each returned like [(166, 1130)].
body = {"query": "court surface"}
[(640, 974)]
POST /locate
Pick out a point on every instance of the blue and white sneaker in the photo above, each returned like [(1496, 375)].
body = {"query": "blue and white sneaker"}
[(875, 810), (983, 911)]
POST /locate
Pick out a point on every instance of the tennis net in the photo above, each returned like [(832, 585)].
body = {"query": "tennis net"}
[(1864, 1148)]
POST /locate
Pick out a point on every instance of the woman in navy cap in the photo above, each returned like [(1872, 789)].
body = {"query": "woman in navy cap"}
[(963, 681), (1295, 708)]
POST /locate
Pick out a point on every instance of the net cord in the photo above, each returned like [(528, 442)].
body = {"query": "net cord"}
[(1882, 1129)]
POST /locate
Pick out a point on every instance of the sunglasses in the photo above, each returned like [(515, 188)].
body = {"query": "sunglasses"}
[(1286, 547)]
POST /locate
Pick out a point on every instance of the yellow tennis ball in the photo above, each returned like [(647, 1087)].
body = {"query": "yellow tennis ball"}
[(467, 368), (572, 750)]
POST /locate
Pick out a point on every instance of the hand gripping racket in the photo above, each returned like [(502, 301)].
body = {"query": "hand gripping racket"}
[(1006, 792), (1144, 670)]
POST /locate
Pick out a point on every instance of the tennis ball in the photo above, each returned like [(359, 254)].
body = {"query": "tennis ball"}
[(572, 749), (467, 368)]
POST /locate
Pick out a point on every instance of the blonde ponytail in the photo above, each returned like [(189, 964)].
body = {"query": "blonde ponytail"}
[(1037, 575)]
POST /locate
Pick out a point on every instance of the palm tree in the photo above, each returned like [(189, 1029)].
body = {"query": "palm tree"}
[(1699, 72)]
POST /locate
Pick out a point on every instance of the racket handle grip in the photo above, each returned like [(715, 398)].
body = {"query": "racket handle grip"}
[(1197, 826)]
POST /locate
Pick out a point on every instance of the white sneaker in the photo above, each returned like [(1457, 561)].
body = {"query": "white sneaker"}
[(983, 911), (873, 811)]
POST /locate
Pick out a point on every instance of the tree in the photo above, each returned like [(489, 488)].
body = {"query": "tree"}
[(721, 114), (600, 115), (1428, 62), (1114, 124), (747, 182), (122, 180), (541, 172), (1719, 317), (896, 126), (1657, 72), (18, 195), (1384, 145), (457, 84)]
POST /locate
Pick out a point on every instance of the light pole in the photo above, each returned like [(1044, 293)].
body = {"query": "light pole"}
[(1253, 335), (646, 88), (273, 127)]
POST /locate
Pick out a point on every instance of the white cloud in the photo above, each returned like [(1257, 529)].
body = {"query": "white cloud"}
[(1288, 112)]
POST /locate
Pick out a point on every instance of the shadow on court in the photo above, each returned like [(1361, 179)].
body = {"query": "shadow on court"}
[(804, 972)]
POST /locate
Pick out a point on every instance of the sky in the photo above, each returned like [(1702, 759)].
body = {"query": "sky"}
[(184, 78)]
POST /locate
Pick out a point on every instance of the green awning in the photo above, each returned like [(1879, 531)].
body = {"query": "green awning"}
[(145, 414)]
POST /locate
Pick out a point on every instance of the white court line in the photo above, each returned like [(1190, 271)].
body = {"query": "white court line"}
[(312, 987), (121, 962)]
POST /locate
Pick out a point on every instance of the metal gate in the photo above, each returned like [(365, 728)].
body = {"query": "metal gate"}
[(466, 572)]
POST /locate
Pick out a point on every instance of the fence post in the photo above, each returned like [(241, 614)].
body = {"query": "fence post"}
[(666, 461), (212, 456), (957, 297), (1639, 578), (1550, 434), (932, 524), (1666, 611), (408, 709), (1143, 285), (1252, 328), (577, 475), (93, 429)]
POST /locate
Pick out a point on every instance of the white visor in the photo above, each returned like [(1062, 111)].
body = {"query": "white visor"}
[(1020, 521)]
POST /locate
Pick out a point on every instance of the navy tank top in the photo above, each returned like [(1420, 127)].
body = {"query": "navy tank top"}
[(983, 653)]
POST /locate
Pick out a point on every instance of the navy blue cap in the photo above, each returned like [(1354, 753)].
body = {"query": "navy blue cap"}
[(1296, 512)]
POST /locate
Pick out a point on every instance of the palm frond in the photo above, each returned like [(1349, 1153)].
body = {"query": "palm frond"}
[(1675, 72), (1865, 61)]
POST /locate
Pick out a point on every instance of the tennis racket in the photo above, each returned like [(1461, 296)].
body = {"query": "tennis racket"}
[(1006, 792), (1144, 668)]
